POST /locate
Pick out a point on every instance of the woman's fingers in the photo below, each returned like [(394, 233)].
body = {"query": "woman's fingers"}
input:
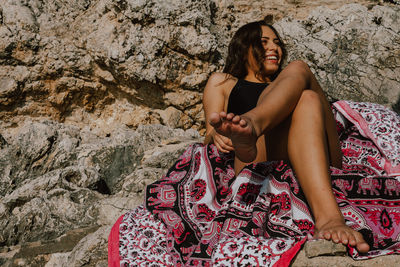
[(223, 148), (223, 143), (227, 141)]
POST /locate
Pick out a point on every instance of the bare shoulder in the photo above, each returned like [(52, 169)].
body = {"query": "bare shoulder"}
[(221, 81), (221, 78)]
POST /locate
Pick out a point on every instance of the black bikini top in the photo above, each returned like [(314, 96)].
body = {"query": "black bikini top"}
[(244, 96)]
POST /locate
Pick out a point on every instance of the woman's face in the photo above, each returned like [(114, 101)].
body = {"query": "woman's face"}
[(273, 52)]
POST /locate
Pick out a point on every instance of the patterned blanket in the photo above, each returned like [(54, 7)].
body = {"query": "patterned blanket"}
[(201, 214)]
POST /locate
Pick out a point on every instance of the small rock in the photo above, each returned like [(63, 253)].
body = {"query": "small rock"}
[(316, 248)]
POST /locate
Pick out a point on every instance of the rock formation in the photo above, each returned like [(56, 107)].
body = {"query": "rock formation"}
[(99, 64), (98, 98), (60, 184)]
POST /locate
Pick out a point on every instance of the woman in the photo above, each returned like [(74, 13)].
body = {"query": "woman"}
[(211, 209), (264, 113)]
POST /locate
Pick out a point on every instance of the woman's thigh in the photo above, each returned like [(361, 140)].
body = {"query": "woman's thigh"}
[(276, 139)]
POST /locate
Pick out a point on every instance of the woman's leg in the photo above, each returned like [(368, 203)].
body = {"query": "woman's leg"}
[(275, 104), (306, 115), (307, 149)]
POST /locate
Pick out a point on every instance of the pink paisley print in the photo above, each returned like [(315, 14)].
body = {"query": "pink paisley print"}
[(143, 240), (381, 125), (242, 250), (201, 214)]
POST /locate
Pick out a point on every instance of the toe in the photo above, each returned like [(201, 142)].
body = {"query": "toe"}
[(344, 238), (352, 241), (215, 119), (243, 123), (236, 119), (327, 235), (335, 237), (362, 246)]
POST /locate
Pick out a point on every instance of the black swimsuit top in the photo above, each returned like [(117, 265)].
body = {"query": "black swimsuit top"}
[(244, 96)]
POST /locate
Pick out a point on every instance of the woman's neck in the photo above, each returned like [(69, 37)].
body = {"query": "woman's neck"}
[(251, 77)]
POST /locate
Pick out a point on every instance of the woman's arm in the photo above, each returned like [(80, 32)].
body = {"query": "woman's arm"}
[(213, 101), (214, 96)]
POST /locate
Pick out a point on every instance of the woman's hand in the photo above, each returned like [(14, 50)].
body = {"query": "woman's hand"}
[(223, 143), (216, 93)]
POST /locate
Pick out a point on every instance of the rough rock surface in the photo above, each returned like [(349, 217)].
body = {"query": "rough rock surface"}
[(59, 184), (98, 99), (109, 62), (349, 52)]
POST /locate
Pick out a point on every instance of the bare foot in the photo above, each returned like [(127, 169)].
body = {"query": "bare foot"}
[(339, 232), (240, 130)]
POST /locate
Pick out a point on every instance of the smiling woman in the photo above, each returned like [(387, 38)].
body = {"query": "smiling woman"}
[(291, 119), (251, 41), (269, 174)]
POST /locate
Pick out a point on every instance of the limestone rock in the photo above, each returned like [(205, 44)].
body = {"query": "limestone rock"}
[(85, 85), (348, 51), (103, 62), (57, 259), (323, 248), (91, 250), (301, 260), (57, 178), (111, 208), (136, 182)]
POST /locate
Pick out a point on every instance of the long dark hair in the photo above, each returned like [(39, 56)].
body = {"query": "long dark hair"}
[(249, 35)]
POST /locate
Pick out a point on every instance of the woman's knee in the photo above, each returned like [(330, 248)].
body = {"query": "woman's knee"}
[(300, 70), (298, 66), (311, 99), (309, 107)]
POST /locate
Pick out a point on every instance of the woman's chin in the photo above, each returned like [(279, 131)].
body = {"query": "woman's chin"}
[(271, 66), (271, 70)]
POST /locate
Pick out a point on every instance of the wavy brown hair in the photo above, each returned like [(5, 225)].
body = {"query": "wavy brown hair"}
[(249, 35)]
